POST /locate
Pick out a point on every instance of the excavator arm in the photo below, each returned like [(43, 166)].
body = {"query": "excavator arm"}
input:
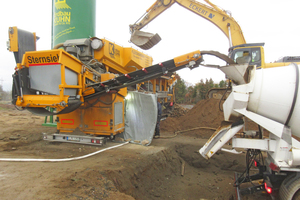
[(221, 18)]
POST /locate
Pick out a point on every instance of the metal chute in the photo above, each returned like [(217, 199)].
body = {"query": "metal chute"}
[(222, 135), (144, 40)]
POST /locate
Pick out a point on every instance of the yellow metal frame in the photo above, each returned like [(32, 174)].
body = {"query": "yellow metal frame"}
[(92, 117), (121, 60), (57, 56), (95, 120), (13, 39)]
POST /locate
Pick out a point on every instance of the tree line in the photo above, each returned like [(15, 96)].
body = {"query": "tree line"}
[(186, 93), (4, 95)]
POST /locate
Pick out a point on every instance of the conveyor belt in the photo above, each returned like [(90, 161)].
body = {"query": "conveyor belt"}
[(135, 77), (152, 72)]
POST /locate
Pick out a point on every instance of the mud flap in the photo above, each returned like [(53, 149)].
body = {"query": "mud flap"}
[(144, 40), (222, 135)]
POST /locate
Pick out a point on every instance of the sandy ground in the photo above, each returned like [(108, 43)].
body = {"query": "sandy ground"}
[(168, 169)]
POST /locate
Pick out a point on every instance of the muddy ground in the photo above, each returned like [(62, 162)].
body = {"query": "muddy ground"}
[(171, 168)]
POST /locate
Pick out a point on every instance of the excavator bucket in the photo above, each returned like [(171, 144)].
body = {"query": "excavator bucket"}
[(144, 40)]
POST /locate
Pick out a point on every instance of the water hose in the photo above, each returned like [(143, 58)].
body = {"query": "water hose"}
[(60, 159), (182, 131)]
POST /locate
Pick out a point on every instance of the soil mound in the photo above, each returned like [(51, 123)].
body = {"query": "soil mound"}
[(171, 124), (205, 113), (175, 111), (201, 120)]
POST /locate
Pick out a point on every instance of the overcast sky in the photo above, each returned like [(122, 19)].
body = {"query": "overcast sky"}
[(274, 22)]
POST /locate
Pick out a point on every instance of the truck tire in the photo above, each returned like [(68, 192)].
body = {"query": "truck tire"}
[(290, 188)]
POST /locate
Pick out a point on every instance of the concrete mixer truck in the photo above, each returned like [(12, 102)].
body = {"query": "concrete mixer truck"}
[(274, 106)]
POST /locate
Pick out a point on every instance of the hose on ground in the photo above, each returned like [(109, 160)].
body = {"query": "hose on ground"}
[(60, 159), (182, 131)]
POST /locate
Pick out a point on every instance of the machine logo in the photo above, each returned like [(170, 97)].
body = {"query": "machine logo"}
[(62, 17), (61, 4), (111, 50), (211, 15), (48, 59), (201, 11)]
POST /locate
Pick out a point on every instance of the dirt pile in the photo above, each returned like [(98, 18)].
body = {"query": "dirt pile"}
[(175, 111), (201, 120), (205, 113)]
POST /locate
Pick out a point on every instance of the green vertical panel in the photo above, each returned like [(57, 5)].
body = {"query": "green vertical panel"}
[(72, 19)]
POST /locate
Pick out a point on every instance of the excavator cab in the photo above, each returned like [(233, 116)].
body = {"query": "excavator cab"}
[(248, 53)]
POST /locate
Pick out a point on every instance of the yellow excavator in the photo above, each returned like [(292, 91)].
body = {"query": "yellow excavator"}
[(239, 51)]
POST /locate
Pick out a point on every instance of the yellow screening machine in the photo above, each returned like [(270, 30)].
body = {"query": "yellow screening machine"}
[(85, 80)]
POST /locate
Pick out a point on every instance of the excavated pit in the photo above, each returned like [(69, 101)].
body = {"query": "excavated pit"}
[(173, 172), (178, 172), (167, 169)]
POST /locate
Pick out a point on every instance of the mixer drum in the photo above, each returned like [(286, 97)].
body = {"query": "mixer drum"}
[(275, 95)]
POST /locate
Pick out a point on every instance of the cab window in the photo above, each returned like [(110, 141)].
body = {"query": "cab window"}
[(247, 55), (255, 55), (238, 54)]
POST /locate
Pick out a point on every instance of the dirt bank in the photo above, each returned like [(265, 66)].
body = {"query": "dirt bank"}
[(205, 113)]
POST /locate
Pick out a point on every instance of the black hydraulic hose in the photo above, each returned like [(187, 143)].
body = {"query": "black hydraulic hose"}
[(20, 84), (228, 87), (92, 104), (250, 157), (16, 85), (99, 100), (260, 132), (109, 103)]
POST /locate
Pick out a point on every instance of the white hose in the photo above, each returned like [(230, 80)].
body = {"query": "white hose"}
[(60, 159)]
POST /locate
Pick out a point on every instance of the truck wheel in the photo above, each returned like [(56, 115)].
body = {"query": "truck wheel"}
[(290, 189)]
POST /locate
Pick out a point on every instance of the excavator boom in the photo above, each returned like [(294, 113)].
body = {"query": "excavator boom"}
[(221, 18)]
